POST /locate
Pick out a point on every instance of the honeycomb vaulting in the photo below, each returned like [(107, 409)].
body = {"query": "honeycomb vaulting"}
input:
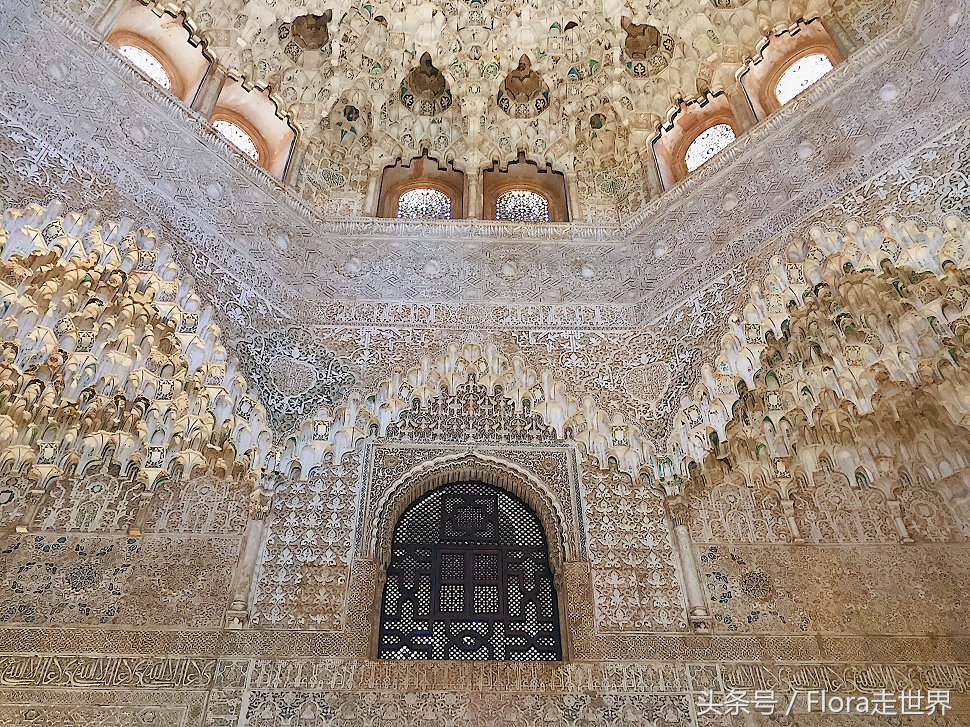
[(710, 445)]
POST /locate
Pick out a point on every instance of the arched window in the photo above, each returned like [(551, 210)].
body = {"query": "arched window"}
[(787, 64), (521, 205), (237, 137), (424, 204), (147, 64), (708, 143), (161, 47), (800, 75), (424, 188), (523, 191), (469, 578)]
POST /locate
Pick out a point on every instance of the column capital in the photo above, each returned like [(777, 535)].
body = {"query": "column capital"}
[(678, 509)]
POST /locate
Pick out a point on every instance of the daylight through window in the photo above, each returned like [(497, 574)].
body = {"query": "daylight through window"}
[(147, 64), (800, 75), (424, 204), (520, 205), (708, 143), (237, 137)]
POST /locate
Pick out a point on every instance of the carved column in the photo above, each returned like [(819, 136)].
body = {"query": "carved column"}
[(364, 623), (677, 510), (572, 191), (260, 502), (744, 115), (895, 509), (152, 476), (474, 208), (34, 497), (888, 479), (207, 96), (300, 145), (843, 38), (654, 185), (372, 199), (788, 507), (141, 513), (577, 612), (785, 485), (111, 17)]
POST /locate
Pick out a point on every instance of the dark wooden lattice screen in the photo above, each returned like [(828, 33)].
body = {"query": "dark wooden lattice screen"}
[(469, 578)]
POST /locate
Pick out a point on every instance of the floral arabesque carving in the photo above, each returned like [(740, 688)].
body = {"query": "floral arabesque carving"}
[(488, 396)]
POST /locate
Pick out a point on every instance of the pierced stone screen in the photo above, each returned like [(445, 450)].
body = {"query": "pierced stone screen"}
[(469, 578)]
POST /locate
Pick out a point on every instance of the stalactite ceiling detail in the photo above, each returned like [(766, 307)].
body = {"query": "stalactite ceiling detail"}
[(598, 79)]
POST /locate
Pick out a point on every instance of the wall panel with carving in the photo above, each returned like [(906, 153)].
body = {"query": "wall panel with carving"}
[(635, 581), (891, 589), (150, 581), (304, 564), (232, 196), (342, 325)]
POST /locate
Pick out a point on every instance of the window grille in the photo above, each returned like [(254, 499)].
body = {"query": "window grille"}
[(424, 204), (800, 75), (469, 578), (520, 205)]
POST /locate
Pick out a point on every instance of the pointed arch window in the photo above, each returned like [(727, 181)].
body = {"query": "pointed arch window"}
[(469, 578)]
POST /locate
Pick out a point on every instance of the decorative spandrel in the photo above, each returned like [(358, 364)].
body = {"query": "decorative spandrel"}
[(469, 578), (472, 414)]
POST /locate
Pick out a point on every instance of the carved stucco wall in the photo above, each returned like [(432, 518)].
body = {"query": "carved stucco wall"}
[(103, 628), (580, 305)]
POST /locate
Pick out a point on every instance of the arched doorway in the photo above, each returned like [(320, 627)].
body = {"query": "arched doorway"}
[(469, 578)]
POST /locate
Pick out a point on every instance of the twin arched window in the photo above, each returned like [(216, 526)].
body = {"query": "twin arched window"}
[(469, 578), (516, 205), (793, 77), (161, 48)]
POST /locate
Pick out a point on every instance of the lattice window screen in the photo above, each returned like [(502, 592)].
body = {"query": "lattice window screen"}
[(469, 578)]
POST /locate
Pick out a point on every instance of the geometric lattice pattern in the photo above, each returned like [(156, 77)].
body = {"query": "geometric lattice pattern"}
[(520, 205), (469, 578), (424, 204)]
